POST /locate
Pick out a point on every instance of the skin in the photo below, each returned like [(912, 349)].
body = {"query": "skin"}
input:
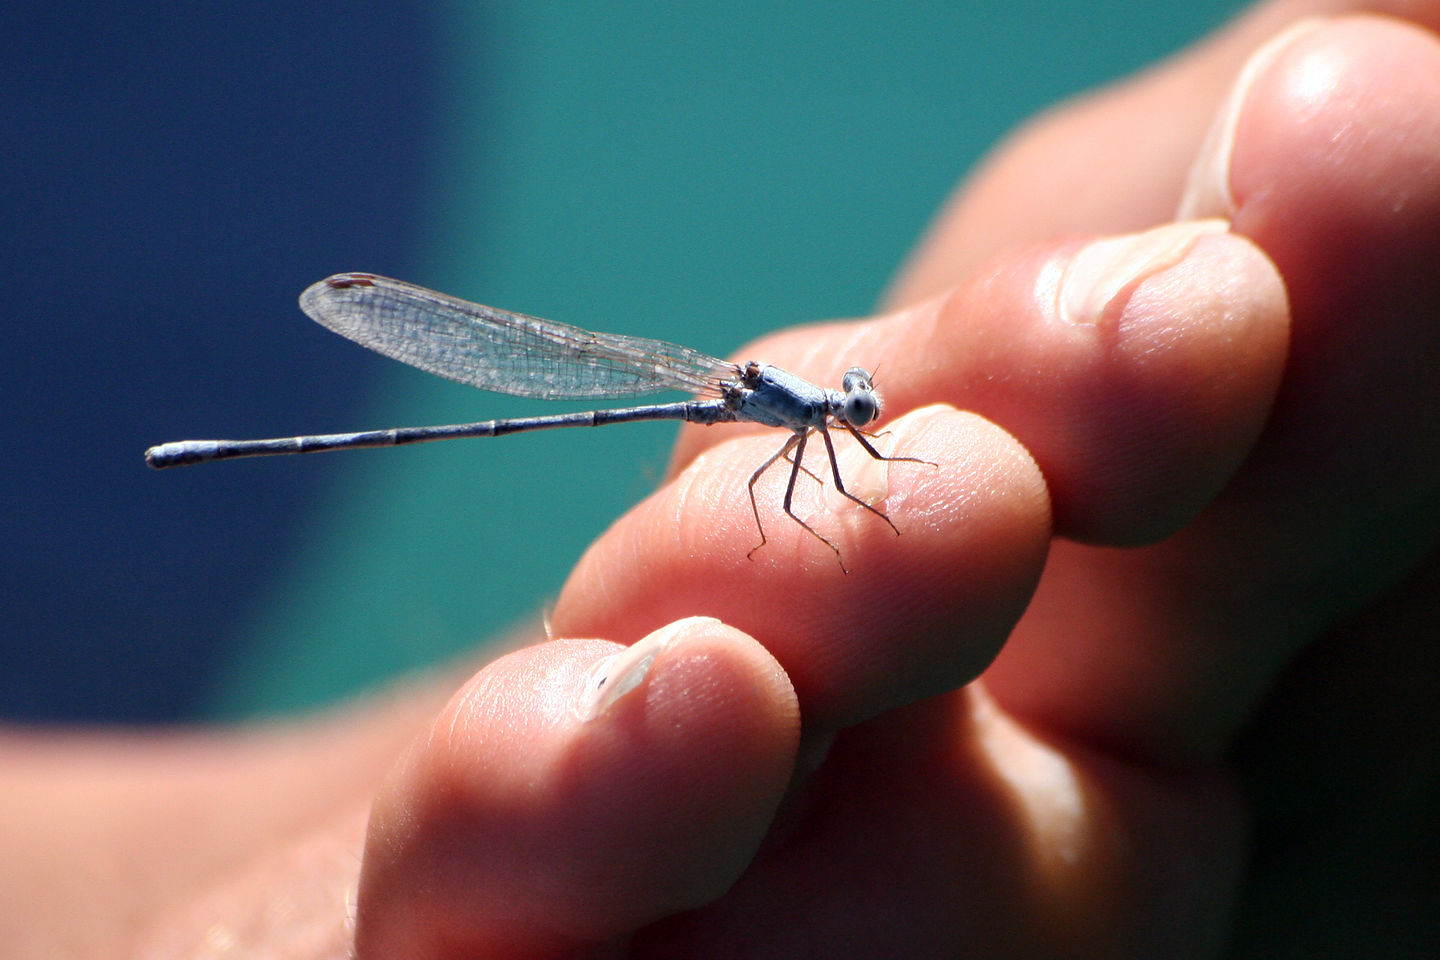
[(1146, 673)]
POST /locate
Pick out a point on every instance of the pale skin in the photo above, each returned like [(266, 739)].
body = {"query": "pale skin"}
[(1149, 672)]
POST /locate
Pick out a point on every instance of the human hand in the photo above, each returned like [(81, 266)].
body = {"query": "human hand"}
[(1221, 483)]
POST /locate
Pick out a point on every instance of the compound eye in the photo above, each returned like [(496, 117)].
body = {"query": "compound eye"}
[(856, 378), (861, 406)]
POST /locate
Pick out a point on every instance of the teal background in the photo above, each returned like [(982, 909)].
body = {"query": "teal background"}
[(173, 175), (701, 173)]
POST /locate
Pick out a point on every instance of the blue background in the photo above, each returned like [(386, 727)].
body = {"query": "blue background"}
[(173, 175)]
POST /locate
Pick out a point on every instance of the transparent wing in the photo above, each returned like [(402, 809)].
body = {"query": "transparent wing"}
[(503, 351)]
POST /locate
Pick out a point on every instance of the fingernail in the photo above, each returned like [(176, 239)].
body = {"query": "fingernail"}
[(1207, 190), (615, 676), (1108, 270)]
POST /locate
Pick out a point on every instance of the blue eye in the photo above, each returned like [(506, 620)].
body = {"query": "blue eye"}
[(861, 406)]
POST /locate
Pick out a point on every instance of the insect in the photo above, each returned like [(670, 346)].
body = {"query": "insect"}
[(526, 356)]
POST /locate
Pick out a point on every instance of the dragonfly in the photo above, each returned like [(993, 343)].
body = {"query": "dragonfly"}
[(513, 353)]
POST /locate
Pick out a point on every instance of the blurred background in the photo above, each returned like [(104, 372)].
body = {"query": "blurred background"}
[(173, 175)]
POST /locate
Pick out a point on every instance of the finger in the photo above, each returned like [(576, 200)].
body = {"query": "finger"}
[(562, 799), (1138, 386), (1111, 161), (1167, 650), (945, 829), (1136, 370), (925, 603)]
